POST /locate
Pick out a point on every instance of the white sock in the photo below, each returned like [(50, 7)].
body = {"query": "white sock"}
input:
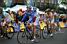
[(34, 37), (59, 29), (51, 34)]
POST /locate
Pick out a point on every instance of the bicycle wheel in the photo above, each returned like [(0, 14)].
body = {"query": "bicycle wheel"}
[(10, 32), (21, 37), (44, 33)]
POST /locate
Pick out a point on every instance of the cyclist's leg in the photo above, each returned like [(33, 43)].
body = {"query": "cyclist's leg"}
[(51, 27)]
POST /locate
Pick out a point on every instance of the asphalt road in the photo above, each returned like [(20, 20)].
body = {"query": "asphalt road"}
[(59, 38)]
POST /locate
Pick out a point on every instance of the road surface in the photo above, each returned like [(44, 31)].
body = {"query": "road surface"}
[(60, 38)]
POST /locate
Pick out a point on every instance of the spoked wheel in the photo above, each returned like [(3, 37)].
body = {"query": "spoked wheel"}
[(41, 33), (10, 32), (21, 38), (44, 34)]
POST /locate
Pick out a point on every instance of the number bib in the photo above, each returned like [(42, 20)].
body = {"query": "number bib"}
[(22, 27), (42, 25)]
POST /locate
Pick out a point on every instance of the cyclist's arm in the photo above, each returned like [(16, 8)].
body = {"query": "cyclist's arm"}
[(25, 18)]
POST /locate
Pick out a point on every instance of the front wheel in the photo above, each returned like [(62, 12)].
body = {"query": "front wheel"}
[(44, 33), (10, 32), (21, 37)]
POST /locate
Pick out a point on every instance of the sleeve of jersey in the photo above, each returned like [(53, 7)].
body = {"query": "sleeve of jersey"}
[(25, 18), (30, 19)]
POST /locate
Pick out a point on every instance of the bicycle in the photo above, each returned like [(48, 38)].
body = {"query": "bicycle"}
[(6, 30), (24, 34)]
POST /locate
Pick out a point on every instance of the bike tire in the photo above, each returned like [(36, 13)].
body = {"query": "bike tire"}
[(22, 37), (10, 34), (44, 34)]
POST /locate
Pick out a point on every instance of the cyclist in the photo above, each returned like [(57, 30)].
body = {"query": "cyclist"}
[(51, 22), (30, 17), (8, 19), (1, 19)]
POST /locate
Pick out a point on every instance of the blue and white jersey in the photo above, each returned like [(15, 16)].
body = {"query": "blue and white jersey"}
[(28, 16)]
